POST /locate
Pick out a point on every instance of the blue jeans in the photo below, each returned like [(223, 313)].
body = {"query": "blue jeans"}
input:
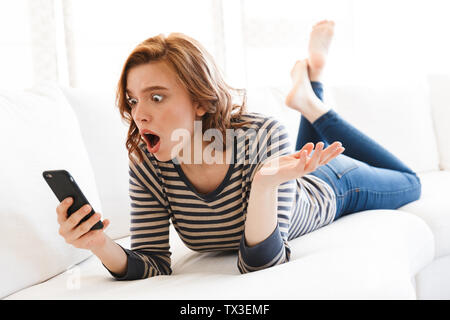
[(366, 176)]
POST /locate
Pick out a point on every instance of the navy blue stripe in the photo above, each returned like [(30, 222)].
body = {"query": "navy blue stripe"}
[(211, 221), (160, 250), (232, 248), (283, 198), (200, 214), (178, 187), (188, 196), (216, 236), (146, 206), (146, 235), (176, 178), (219, 242), (146, 243), (148, 220), (147, 179), (143, 213), (144, 192), (168, 169), (150, 227), (212, 229)]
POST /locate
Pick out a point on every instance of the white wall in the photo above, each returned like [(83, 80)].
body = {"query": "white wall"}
[(255, 41)]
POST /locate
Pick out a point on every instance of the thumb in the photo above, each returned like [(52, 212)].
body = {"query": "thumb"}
[(106, 223)]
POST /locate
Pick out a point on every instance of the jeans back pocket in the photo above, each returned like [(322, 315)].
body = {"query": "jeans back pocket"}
[(342, 164)]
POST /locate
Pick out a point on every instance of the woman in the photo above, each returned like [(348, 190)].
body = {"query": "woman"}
[(255, 195)]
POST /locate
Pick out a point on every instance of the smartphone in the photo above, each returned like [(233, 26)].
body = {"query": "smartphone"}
[(63, 185)]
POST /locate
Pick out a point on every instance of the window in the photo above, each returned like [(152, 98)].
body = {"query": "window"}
[(105, 32), (255, 42), (15, 45)]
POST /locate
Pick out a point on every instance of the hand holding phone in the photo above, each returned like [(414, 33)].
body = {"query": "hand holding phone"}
[(79, 234), (75, 215)]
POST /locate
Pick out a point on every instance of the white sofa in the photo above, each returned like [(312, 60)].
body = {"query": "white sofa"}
[(376, 254)]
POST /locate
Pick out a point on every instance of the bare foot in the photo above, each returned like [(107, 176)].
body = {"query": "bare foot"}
[(302, 97), (319, 43), (301, 94)]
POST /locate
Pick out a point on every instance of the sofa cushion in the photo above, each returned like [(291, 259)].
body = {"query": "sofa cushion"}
[(434, 208), (104, 135), (398, 116), (440, 103), (433, 282), (368, 255), (38, 131)]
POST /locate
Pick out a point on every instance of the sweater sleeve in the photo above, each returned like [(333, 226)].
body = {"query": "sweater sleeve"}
[(273, 142), (150, 250)]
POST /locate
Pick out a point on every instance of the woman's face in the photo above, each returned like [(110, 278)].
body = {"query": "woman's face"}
[(160, 104)]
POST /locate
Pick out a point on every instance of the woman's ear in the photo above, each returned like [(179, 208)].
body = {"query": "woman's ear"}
[(200, 110)]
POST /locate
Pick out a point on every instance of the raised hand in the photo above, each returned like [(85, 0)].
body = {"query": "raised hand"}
[(80, 235), (296, 165)]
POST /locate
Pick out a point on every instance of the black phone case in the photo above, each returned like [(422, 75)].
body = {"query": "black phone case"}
[(63, 185)]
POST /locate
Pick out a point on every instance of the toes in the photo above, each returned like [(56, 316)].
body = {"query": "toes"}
[(299, 65), (302, 62), (322, 23)]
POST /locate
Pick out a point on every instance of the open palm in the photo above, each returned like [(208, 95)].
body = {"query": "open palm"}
[(296, 165)]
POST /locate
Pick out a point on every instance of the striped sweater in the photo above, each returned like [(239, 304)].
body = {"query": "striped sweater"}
[(161, 194)]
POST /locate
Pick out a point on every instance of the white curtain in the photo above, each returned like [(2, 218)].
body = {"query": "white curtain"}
[(84, 43), (43, 40), (104, 32), (15, 45)]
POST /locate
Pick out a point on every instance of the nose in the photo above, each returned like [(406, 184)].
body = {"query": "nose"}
[(140, 114)]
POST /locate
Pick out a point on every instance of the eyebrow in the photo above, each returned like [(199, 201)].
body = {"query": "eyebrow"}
[(148, 89)]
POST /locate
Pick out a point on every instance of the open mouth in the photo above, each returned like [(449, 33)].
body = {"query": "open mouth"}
[(153, 142), (152, 139)]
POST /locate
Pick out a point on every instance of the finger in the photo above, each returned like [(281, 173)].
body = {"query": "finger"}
[(333, 155), (61, 209), (76, 217), (84, 227), (315, 158), (302, 160), (106, 223), (329, 151), (338, 152), (308, 147), (334, 145)]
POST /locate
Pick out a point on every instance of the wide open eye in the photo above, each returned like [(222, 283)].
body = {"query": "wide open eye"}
[(131, 101), (158, 97)]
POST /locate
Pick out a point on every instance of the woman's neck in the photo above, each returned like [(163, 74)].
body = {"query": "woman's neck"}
[(206, 159)]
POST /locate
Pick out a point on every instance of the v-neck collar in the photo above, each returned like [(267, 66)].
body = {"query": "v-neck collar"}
[(210, 196)]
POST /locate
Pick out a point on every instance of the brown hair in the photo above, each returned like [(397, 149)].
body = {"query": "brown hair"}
[(196, 71)]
